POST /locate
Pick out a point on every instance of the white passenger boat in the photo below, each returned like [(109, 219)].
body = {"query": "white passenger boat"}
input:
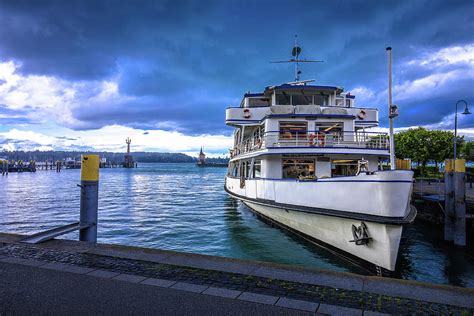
[(305, 158)]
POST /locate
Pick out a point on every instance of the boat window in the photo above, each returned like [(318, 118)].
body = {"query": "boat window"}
[(289, 130), (343, 168), (247, 169), (298, 168), (321, 99), (258, 132), (235, 170), (339, 102), (244, 169), (237, 137), (301, 99), (283, 98), (329, 127), (257, 168), (256, 102)]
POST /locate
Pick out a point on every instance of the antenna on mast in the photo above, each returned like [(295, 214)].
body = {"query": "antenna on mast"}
[(295, 53)]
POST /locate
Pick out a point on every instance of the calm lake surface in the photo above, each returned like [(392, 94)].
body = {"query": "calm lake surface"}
[(184, 208)]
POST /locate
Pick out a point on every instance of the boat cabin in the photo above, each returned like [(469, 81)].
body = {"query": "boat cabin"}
[(305, 132)]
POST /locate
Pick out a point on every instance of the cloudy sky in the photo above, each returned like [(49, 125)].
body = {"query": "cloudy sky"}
[(87, 74)]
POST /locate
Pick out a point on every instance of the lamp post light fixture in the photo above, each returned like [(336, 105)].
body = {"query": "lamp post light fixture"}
[(466, 111)]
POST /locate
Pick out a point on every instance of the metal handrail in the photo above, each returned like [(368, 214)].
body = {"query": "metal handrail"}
[(308, 131), (311, 139)]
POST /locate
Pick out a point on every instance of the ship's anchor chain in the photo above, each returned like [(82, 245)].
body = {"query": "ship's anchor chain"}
[(361, 234)]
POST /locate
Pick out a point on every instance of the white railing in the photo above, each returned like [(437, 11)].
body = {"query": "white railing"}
[(306, 139)]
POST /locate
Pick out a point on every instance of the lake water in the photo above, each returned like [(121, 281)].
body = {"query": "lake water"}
[(184, 208)]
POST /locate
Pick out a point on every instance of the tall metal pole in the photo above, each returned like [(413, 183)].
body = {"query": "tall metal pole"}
[(455, 133), (89, 197), (390, 116)]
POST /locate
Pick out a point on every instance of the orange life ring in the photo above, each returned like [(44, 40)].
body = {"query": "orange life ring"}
[(247, 113)]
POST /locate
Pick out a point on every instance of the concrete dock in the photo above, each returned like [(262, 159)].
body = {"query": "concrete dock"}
[(62, 276), (435, 189)]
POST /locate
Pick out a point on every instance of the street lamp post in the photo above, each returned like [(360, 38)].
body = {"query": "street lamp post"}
[(455, 208), (466, 111)]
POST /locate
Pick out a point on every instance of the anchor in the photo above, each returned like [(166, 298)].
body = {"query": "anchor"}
[(361, 234)]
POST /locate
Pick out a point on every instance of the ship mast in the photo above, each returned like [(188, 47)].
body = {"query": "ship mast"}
[(295, 53)]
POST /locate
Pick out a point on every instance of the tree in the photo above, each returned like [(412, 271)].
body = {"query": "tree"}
[(423, 146), (440, 146), (468, 151), (412, 144)]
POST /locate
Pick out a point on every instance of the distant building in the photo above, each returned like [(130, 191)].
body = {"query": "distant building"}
[(202, 161), (202, 158)]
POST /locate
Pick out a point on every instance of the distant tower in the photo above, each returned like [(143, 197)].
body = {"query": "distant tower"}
[(202, 158), (128, 141), (128, 162)]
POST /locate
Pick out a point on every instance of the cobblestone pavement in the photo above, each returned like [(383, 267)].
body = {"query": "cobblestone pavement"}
[(293, 290)]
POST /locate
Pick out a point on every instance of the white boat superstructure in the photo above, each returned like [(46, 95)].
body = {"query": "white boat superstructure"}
[(304, 157)]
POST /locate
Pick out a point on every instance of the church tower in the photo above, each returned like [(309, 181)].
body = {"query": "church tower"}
[(202, 158)]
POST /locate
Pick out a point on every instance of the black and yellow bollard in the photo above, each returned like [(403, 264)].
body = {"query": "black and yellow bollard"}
[(89, 197), (455, 202)]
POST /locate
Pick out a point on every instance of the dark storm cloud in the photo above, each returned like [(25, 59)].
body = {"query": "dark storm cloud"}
[(201, 114), (185, 61)]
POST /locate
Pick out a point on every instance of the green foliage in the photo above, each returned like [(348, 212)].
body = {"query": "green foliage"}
[(468, 151), (412, 144), (424, 146)]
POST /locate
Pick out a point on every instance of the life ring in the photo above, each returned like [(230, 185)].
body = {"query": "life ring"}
[(321, 139), (247, 113), (361, 114), (311, 139)]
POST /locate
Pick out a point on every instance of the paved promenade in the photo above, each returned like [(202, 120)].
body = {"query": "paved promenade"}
[(59, 277)]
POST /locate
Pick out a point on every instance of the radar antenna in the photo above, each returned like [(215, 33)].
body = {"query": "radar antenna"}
[(296, 52)]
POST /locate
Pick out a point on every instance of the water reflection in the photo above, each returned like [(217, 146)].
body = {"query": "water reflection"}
[(424, 255), (257, 238)]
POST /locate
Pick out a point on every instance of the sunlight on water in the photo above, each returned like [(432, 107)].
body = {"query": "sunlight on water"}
[(184, 208)]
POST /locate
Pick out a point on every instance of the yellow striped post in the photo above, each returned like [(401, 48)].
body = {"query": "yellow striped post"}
[(458, 166), (455, 201), (403, 164), (89, 197)]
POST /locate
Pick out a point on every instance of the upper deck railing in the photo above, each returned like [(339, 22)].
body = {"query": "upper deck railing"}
[(306, 139)]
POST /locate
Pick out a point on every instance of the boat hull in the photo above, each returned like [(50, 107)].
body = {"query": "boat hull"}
[(336, 232), (383, 218)]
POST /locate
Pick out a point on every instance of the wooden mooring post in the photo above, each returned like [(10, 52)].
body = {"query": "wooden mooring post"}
[(455, 202)]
